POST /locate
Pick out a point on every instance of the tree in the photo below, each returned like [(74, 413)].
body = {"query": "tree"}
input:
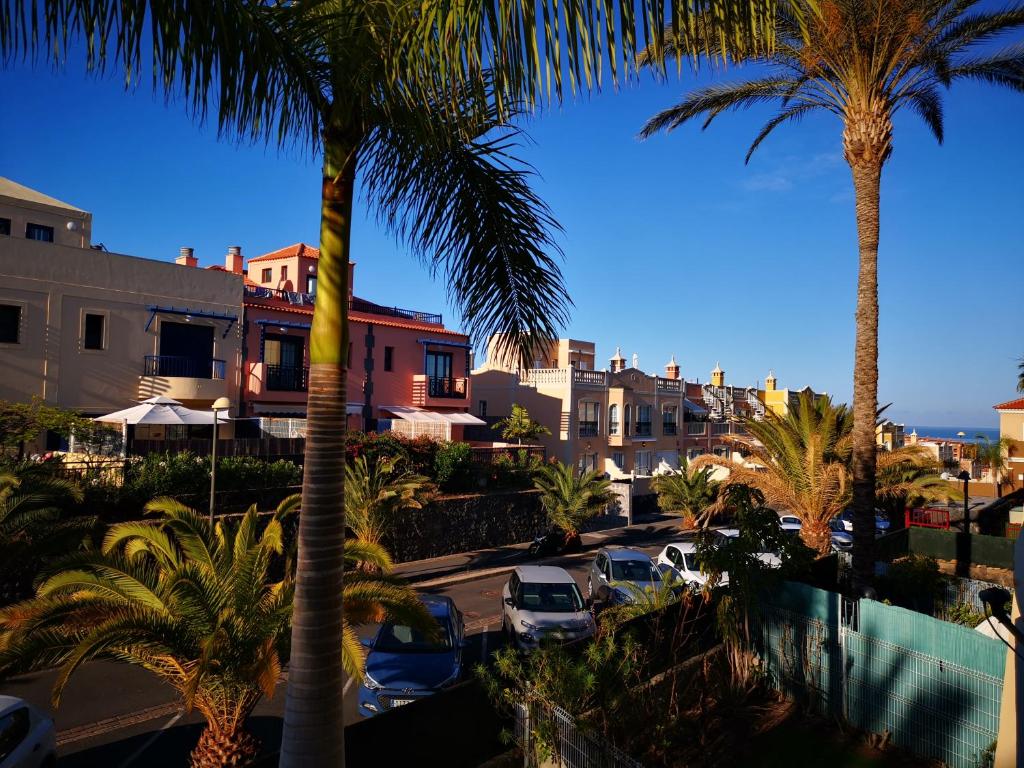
[(993, 454), (375, 493), (863, 62), (909, 477), (519, 426), (196, 605), (1020, 375), (569, 497), (21, 423), (690, 491)]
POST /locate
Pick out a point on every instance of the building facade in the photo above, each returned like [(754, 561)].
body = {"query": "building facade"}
[(95, 331), (1011, 426), (407, 372), (890, 435), (622, 420)]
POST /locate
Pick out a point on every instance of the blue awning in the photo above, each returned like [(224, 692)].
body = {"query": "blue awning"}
[(692, 407), (154, 309)]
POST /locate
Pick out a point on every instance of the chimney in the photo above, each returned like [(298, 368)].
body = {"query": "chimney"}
[(185, 258), (672, 369), (233, 261)]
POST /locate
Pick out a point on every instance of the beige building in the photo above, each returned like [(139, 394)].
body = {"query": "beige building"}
[(621, 420), (1011, 426), (96, 331), (890, 435)]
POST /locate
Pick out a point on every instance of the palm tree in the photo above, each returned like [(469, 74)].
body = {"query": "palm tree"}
[(414, 99), (1020, 375), (571, 498), (374, 493), (908, 477), (196, 605), (519, 426), (690, 491), (863, 62), (993, 454)]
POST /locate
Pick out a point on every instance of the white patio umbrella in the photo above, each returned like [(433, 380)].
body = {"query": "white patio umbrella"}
[(160, 410)]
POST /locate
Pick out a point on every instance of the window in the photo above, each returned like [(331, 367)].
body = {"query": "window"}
[(629, 414), (14, 728), (93, 331), (39, 232), (668, 420), (693, 453), (482, 409), (284, 273), (643, 462), (613, 419), (643, 420), (439, 365), (10, 324), (348, 360), (267, 275), (5, 226), (311, 284), (620, 460), (389, 358), (588, 418), (588, 462)]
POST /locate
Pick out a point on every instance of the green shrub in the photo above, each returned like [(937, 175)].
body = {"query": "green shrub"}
[(912, 582), (453, 465), (965, 614)]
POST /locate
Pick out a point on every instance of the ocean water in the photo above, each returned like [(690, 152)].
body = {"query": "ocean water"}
[(970, 433)]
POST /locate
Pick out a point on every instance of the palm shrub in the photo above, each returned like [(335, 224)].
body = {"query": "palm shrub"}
[(862, 62), (197, 605), (690, 492), (376, 492), (519, 426), (571, 497), (909, 477), (993, 454)]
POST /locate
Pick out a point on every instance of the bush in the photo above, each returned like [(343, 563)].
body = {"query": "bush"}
[(416, 454), (453, 464), (912, 582)]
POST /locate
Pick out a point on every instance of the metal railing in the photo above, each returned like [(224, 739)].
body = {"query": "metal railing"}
[(358, 305), (668, 428), (643, 429), (669, 385), (573, 746), (287, 378), (588, 429), (187, 367), (696, 428), (443, 387)]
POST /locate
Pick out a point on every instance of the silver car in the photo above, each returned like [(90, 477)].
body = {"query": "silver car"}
[(27, 736), (542, 602), (614, 569)]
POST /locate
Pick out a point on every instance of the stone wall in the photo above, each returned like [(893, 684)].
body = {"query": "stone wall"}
[(453, 524)]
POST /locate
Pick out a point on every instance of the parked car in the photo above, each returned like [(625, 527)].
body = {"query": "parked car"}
[(27, 736), (404, 665), (841, 540), (614, 568), (723, 537), (555, 542), (681, 560), (542, 602), (881, 522)]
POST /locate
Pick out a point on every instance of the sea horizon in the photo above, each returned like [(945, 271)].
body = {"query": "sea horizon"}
[(950, 433)]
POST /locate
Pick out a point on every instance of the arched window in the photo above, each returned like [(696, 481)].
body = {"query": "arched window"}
[(629, 414), (613, 419)]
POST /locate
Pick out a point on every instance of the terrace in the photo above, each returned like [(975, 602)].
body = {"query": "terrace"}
[(299, 299)]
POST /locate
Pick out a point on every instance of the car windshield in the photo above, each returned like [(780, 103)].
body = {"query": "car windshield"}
[(690, 559), (399, 638), (634, 570), (551, 598)]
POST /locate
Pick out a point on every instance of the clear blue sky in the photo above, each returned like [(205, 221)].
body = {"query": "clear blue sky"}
[(672, 245)]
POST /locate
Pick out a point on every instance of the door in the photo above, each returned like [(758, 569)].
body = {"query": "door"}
[(185, 350), (439, 374)]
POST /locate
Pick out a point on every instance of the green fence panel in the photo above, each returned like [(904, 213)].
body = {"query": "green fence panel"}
[(994, 551), (804, 599)]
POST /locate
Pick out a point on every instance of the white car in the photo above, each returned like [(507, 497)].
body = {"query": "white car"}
[(543, 602), (27, 736), (725, 535), (841, 540), (681, 557)]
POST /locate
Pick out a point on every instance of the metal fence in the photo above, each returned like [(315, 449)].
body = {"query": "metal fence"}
[(573, 747), (959, 592), (833, 657)]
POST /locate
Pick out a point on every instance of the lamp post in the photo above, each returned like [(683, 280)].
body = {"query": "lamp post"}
[(220, 404), (966, 477)]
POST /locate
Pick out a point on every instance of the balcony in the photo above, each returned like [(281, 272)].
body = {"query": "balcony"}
[(589, 378), (696, 428), (669, 428), (670, 385), (588, 429), (298, 298), (182, 378), (643, 429), (287, 378), (436, 391)]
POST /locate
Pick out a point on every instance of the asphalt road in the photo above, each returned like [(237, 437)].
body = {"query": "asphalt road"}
[(115, 715)]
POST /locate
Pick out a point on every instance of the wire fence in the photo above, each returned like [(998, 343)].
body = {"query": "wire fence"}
[(564, 743), (839, 664)]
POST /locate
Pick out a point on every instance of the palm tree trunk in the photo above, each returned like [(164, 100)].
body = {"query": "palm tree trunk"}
[(219, 748), (313, 722), (866, 185), (817, 535)]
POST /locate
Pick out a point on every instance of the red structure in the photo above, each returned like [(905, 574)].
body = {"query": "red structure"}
[(407, 372), (927, 518)]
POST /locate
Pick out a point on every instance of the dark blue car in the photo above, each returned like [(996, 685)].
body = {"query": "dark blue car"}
[(403, 665)]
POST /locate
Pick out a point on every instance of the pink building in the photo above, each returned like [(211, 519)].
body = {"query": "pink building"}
[(407, 372)]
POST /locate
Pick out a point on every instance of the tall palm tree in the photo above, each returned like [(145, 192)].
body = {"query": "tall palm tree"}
[(691, 491), (908, 477), (993, 454), (375, 493), (571, 497), (401, 94), (1020, 375), (196, 605), (863, 62)]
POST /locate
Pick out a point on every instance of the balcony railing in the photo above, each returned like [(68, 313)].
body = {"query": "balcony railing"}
[(186, 367), (668, 428), (441, 387), (588, 429), (696, 428), (590, 378), (613, 428), (670, 385), (643, 429), (720, 429), (287, 378), (299, 298)]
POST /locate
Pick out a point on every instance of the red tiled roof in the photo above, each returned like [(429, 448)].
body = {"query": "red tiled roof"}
[(1011, 405), (299, 249), (356, 317)]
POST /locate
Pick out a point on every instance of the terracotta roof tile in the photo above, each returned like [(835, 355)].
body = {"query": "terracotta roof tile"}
[(358, 317), (289, 252), (1011, 405)]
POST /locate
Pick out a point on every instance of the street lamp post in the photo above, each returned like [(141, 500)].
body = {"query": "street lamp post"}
[(966, 477), (220, 404)]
